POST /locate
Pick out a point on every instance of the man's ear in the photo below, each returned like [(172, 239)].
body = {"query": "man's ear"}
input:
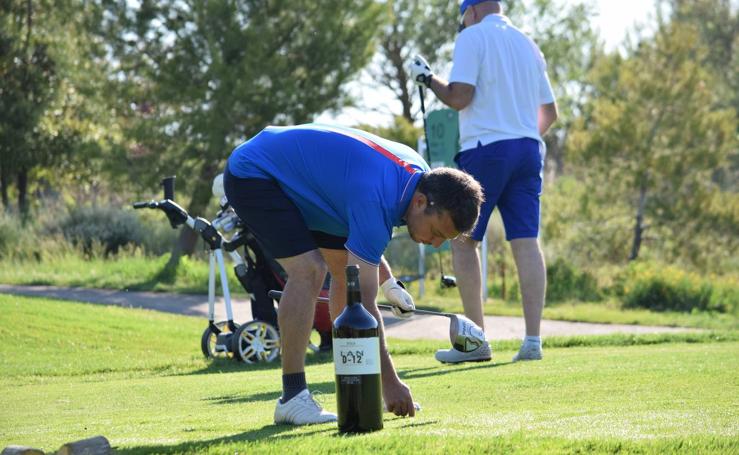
[(420, 201)]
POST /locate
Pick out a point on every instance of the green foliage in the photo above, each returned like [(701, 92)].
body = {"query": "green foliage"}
[(425, 27), (109, 227), (650, 143), (565, 282), (667, 288), (11, 234), (47, 65), (401, 130), (197, 78), (576, 225)]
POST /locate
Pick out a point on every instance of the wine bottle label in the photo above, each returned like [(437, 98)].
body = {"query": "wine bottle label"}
[(357, 355)]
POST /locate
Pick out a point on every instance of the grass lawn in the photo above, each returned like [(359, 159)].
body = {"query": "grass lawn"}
[(70, 371), (136, 272)]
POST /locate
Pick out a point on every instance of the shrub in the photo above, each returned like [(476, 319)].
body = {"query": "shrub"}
[(110, 228), (565, 282), (10, 234), (668, 288)]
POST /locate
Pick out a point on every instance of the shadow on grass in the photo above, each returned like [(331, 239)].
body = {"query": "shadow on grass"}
[(261, 434), (322, 388), (167, 275), (223, 365), (450, 369)]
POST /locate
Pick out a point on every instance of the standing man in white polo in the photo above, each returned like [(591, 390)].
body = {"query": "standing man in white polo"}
[(500, 87)]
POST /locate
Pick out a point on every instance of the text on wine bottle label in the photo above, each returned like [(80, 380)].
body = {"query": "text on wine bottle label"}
[(357, 355)]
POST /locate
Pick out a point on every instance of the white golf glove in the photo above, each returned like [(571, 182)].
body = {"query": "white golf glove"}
[(421, 71), (399, 298)]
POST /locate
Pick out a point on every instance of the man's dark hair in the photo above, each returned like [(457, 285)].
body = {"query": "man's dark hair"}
[(455, 192)]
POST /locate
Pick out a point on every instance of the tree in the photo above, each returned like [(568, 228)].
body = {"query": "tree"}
[(717, 22), (200, 77), (29, 79), (425, 27), (46, 121), (653, 137), (563, 33)]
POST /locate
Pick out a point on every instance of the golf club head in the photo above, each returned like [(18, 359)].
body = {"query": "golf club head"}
[(464, 334), (448, 281)]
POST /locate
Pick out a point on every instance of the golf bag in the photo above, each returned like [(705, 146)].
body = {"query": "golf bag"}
[(262, 274)]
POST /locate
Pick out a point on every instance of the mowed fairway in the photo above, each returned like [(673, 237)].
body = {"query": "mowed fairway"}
[(70, 371)]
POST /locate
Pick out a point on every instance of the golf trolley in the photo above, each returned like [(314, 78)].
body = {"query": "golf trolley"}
[(259, 339)]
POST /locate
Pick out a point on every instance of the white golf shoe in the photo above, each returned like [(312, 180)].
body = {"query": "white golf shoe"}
[(528, 351), (302, 409), (481, 354)]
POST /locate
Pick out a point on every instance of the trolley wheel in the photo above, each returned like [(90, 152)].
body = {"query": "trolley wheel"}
[(210, 346), (256, 341)]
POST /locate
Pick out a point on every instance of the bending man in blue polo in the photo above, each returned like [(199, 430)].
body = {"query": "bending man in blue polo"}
[(320, 198)]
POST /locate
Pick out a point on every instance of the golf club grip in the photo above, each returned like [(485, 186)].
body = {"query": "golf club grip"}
[(277, 294), (141, 205)]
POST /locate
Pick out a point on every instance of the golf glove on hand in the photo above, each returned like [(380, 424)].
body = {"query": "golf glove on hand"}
[(399, 298), (421, 71)]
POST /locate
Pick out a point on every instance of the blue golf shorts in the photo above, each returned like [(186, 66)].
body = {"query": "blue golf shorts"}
[(510, 173)]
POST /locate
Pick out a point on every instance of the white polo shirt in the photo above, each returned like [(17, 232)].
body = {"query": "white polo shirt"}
[(509, 74)]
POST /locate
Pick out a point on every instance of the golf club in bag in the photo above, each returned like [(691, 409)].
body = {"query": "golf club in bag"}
[(465, 335), (447, 281)]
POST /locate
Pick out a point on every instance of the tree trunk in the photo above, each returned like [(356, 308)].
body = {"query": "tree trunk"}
[(4, 188), (22, 185), (639, 224), (201, 195), (554, 166), (393, 52)]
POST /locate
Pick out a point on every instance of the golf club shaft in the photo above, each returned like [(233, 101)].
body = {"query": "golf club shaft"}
[(425, 132), (277, 294), (428, 159)]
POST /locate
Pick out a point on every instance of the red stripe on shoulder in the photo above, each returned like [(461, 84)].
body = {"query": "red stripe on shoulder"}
[(375, 146)]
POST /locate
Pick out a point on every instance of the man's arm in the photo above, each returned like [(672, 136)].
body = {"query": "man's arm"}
[(397, 395), (456, 95), (548, 114), (385, 271)]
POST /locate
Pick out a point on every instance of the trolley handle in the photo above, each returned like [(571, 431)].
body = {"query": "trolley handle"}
[(177, 215)]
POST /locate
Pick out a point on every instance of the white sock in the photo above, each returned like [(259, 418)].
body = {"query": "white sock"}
[(532, 340)]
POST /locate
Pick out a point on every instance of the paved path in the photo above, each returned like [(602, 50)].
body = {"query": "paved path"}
[(417, 327)]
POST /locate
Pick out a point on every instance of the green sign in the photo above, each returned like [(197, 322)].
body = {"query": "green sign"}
[(443, 137)]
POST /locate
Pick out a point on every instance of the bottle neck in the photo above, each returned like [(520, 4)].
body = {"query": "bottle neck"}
[(353, 294)]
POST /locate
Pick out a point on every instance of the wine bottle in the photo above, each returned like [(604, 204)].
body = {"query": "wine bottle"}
[(357, 363)]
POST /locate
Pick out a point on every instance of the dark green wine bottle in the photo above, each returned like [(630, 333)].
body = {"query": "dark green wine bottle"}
[(357, 363)]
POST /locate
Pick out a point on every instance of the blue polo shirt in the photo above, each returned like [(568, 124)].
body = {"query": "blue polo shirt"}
[(344, 181)]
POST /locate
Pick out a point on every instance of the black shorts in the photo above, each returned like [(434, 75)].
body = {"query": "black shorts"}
[(273, 218)]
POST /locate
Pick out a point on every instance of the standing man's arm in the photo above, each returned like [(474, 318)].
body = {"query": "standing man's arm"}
[(547, 116), (456, 95), (397, 395)]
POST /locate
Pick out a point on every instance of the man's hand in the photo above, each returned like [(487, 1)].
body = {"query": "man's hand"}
[(398, 398), (421, 71), (399, 298)]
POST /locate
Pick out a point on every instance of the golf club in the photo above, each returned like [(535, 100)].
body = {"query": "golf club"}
[(447, 281), (465, 335)]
